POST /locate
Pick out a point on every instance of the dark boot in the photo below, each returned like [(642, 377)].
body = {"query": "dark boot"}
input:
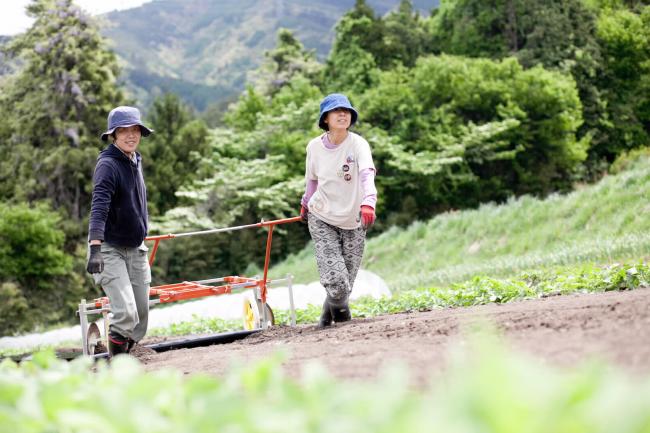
[(325, 316), (341, 314), (340, 310), (117, 344), (130, 343)]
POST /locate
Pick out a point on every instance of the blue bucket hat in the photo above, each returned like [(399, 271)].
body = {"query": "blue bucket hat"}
[(123, 117), (331, 102)]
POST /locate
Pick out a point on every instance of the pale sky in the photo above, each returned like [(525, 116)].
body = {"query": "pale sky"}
[(13, 19)]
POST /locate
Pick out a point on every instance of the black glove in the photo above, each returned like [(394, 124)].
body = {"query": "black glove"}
[(95, 261)]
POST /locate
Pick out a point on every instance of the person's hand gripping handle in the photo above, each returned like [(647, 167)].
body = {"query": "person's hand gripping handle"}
[(95, 261), (367, 214)]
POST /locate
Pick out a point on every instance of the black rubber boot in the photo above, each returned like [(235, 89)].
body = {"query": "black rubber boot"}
[(325, 316), (117, 344), (340, 310), (130, 343), (341, 314)]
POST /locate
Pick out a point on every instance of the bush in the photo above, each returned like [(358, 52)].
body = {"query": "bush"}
[(37, 280)]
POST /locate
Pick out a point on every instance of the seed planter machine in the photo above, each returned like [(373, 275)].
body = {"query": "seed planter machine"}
[(257, 316)]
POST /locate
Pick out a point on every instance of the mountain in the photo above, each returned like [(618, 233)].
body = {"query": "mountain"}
[(203, 49)]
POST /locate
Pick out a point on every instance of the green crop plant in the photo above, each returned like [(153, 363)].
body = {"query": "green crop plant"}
[(479, 290), (484, 389)]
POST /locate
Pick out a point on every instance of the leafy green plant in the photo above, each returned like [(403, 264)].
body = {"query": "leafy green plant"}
[(480, 290), (485, 388)]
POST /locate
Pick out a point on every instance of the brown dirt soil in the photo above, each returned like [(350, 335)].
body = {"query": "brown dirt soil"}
[(559, 330)]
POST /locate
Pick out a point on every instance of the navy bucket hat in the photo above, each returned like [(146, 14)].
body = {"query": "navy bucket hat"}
[(332, 102), (123, 117)]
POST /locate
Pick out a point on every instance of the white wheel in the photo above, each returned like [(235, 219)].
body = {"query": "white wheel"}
[(93, 338), (253, 318)]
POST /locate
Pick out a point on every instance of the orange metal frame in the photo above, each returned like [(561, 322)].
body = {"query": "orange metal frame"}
[(197, 289)]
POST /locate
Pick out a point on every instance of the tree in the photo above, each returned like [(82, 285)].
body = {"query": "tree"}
[(352, 65), (458, 131), (624, 37), (558, 35), (243, 114), (288, 63), (406, 37), (54, 109), (365, 44), (288, 59), (172, 154), (603, 44)]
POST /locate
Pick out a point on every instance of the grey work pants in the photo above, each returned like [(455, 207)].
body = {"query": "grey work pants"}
[(125, 280), (338, 256)]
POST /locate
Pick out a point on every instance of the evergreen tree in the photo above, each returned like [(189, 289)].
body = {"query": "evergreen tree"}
[(287, 63), (54, 109), (352, 64), (173, 153), (405, 37), (288, 59)]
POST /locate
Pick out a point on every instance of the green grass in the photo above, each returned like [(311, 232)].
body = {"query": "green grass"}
[(484, 389), (605, 222)]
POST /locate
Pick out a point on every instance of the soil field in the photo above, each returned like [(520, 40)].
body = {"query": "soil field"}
[(559, 330)]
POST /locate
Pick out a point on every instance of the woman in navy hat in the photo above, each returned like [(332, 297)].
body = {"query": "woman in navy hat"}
[(118, 225), (339, 203)]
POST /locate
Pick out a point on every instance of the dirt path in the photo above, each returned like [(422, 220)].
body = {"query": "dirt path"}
[(560, 330)]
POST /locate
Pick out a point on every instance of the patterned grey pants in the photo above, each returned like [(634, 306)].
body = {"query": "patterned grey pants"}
[(338, 256)]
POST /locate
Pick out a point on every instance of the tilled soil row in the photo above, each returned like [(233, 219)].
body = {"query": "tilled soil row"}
[(560, 330)]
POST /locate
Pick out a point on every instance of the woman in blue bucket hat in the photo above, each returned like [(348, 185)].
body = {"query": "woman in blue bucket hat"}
[(339, 203), (117, 257)]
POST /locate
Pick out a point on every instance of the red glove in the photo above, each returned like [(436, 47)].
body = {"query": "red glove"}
[(304, 213), (367, 216)]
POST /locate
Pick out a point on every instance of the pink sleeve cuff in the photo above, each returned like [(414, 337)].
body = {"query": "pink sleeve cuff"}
[(367, 177), (310, 189)]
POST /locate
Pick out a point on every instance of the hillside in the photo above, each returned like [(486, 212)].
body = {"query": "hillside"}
[(600, 223), (202, 49)]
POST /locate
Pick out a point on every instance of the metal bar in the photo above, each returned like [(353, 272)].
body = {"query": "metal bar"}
[(107, 326), (153, 251), (267, 259), (96, 311), (83, 323), (210, 281), (293, 308), (280, 221), (203, 232), (224, 229), (199, 293)]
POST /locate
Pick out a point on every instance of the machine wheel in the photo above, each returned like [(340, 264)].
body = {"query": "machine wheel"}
[(93, 339), (252, 316)]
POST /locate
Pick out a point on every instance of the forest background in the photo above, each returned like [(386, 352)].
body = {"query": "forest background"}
[(467, 103)]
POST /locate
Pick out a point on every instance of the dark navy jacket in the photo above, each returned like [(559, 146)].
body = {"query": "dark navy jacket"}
[(118, 213)]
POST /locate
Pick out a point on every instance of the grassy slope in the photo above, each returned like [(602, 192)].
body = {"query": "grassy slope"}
[(598, 223)]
